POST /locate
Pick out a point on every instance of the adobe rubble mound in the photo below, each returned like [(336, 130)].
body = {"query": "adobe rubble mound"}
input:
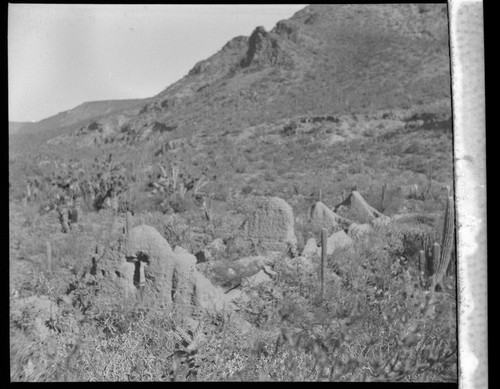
[(270, 227), (145, 264)]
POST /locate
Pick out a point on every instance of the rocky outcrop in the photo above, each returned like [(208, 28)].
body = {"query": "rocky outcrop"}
[(145, 262), (265, 49), (357, 208), (270, 227)]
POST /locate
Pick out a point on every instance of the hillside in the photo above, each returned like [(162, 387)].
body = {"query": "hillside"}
[(360, 93), (81, 114), (325, 60), (14, 127)]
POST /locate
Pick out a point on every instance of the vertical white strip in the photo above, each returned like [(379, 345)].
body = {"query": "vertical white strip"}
[(467, 51)]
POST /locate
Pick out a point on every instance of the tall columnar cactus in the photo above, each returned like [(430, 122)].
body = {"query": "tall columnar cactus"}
[(447, 243), (324, 244), (422, 267), (207, 208), (48, 255), (382, 202), (436, 257), (128, 222)]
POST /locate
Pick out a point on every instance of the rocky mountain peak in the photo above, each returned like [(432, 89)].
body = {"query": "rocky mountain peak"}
[(264, 48)]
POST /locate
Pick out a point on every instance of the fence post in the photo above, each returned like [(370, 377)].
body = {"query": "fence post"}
[(324, 244)]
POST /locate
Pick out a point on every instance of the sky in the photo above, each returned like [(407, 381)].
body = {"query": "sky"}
[(60, 56)]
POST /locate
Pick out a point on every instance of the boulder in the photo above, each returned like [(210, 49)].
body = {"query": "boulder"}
[(310, 249), (358, 208), (144, 260), (336, 240), (270, 227)]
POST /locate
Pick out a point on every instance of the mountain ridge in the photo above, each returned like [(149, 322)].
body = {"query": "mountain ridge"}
[(80, 114), (324, 60)]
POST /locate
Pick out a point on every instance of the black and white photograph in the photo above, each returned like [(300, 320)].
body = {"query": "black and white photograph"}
[(247, 192)]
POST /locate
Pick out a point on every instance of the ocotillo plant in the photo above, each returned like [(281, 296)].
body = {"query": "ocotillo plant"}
[(324, 243), (447, 243), (48, 254)]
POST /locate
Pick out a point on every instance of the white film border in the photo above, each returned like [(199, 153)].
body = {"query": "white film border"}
[(468, 88)]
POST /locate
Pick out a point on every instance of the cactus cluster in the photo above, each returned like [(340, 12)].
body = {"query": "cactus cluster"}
[(439, 261)]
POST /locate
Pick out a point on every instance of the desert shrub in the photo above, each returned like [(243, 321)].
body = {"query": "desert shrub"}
[(375, 322)]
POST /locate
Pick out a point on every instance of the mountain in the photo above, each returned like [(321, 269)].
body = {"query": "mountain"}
[(325, 60), (80, 115), (14, 127)]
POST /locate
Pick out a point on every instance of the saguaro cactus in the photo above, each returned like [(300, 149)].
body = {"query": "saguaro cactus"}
[(324, 244), (128, 222), (436, 257), (382, 202), (48, 255), (447, 243), (422, 267), (207, 208)]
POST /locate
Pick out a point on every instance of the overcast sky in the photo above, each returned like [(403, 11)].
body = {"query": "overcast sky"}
[(63, 55)]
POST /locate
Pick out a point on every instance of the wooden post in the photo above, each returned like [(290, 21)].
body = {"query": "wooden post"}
[(324, 244), (48, 254)]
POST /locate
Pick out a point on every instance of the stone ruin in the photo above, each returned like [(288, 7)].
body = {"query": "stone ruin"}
[(357, 208), (270, 227), (143, 264)]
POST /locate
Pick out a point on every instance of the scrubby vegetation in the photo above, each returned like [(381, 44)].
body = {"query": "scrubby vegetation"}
[(193, 166)]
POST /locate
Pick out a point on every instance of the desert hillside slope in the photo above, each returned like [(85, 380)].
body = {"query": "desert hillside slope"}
[(79, 115), (283, 212), (326, 59)]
